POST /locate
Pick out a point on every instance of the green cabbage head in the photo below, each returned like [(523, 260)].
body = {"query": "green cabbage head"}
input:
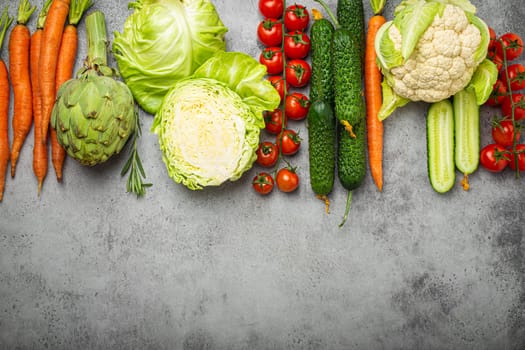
[(209, 124), (164, 41)]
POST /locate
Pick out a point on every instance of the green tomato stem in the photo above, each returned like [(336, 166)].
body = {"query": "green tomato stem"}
[(512, 105)]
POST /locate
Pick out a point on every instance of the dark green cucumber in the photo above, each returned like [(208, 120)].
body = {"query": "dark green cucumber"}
[(321, 147), (440, 146), (350, 15), (347, 70), (321, 82), (351, 157), (349, 109)]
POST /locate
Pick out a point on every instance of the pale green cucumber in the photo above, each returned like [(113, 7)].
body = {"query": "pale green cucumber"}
[(440, 146), (466, 127)]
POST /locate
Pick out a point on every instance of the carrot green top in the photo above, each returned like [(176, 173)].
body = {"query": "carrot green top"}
[(25, 10), (5, 22)]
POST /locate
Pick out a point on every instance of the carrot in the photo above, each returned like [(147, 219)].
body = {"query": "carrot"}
[(19, 43), (52, 37), (66, 61), (374, 99), (40, 157), (5, 21)]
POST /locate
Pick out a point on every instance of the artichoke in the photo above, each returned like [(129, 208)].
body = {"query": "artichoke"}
[(94, 114)]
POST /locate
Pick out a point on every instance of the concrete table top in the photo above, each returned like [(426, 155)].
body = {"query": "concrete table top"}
[(88, 266)]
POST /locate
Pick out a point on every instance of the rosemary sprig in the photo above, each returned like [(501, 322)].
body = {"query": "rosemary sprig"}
[(135, 183)]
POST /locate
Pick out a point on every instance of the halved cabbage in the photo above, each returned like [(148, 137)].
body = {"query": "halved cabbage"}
[(209, 125)]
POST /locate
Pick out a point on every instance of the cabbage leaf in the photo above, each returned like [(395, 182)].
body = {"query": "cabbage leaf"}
[(164, 41)]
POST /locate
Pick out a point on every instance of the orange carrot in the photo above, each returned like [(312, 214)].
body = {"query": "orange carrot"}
[(66, 62), (40, 157), (5, 21), (52, 37), (374, 99), (19, 43)]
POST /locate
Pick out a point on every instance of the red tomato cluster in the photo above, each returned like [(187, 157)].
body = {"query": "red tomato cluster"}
[(508, 95), (286, 46)]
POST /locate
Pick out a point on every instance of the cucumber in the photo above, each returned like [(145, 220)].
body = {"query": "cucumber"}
[(349, 109), (350, 15), (321, 147), (440, 146), (466, 126), (321, 82)]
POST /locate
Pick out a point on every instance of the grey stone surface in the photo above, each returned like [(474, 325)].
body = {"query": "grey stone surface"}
[(87, 266)]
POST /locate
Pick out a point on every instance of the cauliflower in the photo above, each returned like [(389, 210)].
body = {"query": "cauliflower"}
[(430, 50)]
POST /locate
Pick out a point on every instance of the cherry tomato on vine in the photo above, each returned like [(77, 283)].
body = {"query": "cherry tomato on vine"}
[(272, 58), (271, 8), (298, 72), (287, 180), (267, 154), (493, 38), (296, 17), (296, 106), (499, 91), (263, 183), (520, 149), (516, 74), (289, 141), (511, 44), (504, 133), (494, 158), (519, 106), (270, 32), (296, 44), (274, 121), (278, 83)]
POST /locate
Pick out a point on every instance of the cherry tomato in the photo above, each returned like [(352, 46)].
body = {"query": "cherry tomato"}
[(296, 44), (516, 74), (520, 149), (504, 133), (271, 8), (298, 72), (267, 154), (270, 32), (278, 83), (496, 59), (290, 140), (296, 106), (499, 91), (492, 42), (287, 180), (296, 17), (263, 183), (494, 158), (511, 44), (519, 106), (274, 121), (272, 58)]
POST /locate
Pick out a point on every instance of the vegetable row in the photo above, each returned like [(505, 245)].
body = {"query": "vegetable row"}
[(214, 109)]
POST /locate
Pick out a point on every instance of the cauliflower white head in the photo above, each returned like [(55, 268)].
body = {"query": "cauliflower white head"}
[(431, 49)]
